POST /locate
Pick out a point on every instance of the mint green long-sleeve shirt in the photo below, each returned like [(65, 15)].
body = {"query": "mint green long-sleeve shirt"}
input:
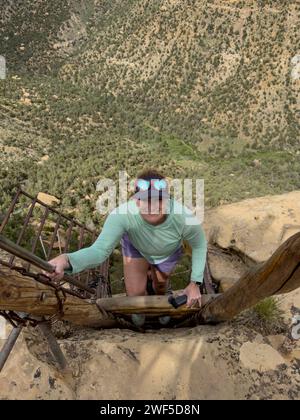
[(155, 243)]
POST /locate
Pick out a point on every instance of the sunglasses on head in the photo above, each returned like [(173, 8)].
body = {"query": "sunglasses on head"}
[(144, 184)]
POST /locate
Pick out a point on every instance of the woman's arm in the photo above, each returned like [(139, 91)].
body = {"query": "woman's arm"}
[(195, 236), (75, 262)]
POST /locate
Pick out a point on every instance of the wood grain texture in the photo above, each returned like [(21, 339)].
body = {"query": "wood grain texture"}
[(278, 275)]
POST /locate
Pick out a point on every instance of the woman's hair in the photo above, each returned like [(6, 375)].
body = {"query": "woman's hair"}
[(149, 174)]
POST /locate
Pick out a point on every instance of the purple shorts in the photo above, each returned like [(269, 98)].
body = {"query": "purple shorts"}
[(128, 250)]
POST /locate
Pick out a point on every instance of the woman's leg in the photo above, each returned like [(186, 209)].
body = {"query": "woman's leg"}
[(162, 271), (135, 275), (160, 281)]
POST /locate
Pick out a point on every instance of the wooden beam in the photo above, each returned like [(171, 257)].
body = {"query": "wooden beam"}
[(148, 305), (23, 294), (278, 275)]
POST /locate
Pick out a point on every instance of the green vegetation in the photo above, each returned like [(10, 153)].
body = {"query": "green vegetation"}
[(200, 91), (266, 317)]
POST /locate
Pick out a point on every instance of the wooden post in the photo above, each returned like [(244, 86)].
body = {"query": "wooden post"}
[(278, 275), (53, 345), (46, 331), (9, 345)]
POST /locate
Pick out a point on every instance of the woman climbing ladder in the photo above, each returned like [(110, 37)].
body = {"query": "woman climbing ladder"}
[(151, 227)]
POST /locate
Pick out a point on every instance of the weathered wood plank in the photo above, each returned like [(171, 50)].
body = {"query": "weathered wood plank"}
[(23, 294), (149, 305), (278, 275)]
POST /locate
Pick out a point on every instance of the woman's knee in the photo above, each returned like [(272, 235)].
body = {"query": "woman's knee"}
[(135, 275)]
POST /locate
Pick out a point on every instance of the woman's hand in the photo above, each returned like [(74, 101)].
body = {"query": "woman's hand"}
[(60, 263), (193, 294)]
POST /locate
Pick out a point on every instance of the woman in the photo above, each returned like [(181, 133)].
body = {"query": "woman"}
[(151, 227)]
